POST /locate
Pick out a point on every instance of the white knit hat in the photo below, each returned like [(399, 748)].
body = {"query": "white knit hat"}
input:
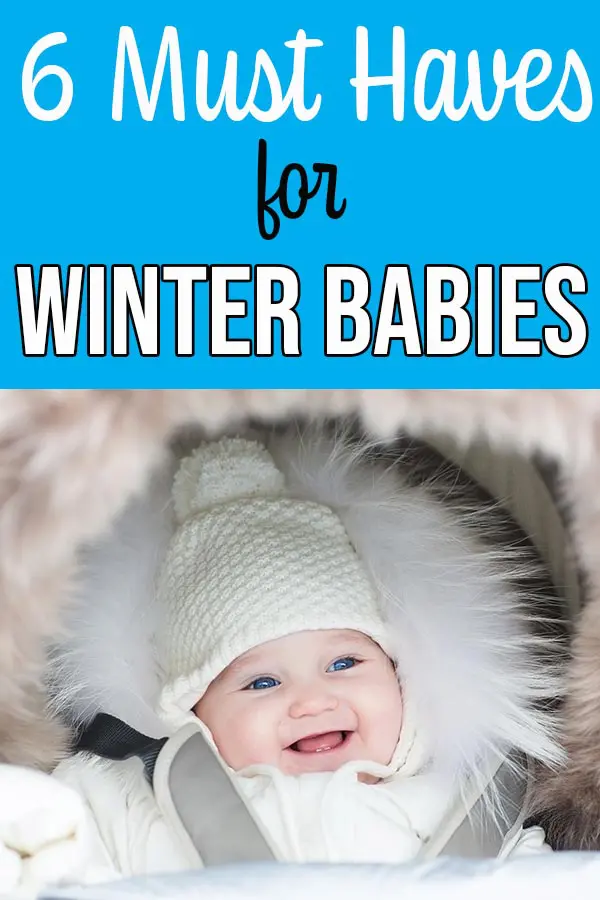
[(248, 564)]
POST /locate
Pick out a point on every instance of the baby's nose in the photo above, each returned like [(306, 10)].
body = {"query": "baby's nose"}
[(313, 704)]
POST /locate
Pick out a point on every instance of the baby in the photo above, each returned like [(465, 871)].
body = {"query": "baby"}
[(308, 702), (275, 641), (316, 686)]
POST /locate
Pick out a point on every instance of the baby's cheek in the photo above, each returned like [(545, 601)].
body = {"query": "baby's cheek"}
[(226, 744), (248, 741), (386, 721), (261, 740), (223, 723)]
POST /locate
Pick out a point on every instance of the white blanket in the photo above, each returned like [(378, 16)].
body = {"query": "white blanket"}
[(551, 877)]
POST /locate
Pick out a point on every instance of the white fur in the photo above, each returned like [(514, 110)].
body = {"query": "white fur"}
[(106, 663), (464, 640)]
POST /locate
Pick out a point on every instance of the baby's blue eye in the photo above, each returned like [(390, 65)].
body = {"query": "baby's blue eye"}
[(346, 662), (262, 683)]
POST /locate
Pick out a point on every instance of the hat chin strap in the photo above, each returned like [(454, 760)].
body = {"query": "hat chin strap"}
[(214, 824)]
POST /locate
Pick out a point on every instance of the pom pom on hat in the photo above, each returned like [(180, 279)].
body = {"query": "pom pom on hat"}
[(223, 471), (248, 564)]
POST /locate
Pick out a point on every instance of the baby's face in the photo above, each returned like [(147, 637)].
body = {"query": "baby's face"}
[(309, 702)]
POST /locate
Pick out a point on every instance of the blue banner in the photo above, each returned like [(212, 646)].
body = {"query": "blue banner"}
[(298, 195)]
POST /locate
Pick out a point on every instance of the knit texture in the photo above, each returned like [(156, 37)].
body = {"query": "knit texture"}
[(248, 565)]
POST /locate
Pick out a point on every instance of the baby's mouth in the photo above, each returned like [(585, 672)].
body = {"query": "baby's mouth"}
[(320, 743)]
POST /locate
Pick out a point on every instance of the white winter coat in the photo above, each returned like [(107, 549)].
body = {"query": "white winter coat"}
[(97, 820)]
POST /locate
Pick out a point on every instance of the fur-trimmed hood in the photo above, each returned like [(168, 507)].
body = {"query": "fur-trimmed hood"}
[(465, 595)]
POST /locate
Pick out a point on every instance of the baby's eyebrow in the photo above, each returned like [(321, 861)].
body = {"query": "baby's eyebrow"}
[(350, 643), (241, 665)]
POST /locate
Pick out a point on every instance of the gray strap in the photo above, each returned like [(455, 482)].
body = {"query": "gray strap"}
[(207, 804), (478, 835)]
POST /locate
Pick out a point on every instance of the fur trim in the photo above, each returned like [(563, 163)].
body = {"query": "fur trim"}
[(106, 661), (463, 590), (460, 585), (567, 803)]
